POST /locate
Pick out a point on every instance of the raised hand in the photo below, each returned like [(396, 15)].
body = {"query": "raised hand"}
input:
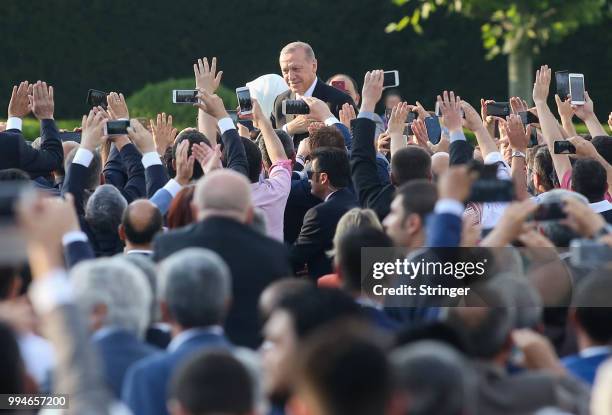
[(383, 143), (420, 132), (206, 77), (610, 121), (472, 122), (421, 111), (450, 108), (564, 108), (372, 90), (585, 111), (518, 138), (20, 105), (184, 163), (397, 121), (581, 218), (347, 114), (163, 132), (117, 107), (299, 124), (209, 159), (141, 137), (92, 134), (518, 105), (455, 184), (42, 101), (319, 111), (487, 120), (541, 85), (211, 104)]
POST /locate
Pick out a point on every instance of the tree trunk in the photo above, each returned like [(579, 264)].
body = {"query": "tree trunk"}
[(520, 73)]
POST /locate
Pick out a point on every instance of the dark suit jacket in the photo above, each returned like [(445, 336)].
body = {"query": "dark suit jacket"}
[(333, 97), (443, 230), (125, 171), (254, 261), (460, 152), (607, 214), (235, 154), (145, 388), (317, 234), (76, 252), (373, 193), (17, 153), (299, 202), (118, 351)]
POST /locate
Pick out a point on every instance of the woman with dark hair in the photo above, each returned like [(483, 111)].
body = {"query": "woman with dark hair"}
[(180, 212)]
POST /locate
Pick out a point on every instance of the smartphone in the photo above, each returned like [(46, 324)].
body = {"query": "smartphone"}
[(562, 81), (527, 117), (96, 98), (244, 100), (233, 115), (549, 211), (70, 136), (341, 85), (587, 253), (434, 130), (564, 147), (408, 130), (498, 109), (391, 79), (116, 127), (295, 106), (533, 138), (184, 96), (576, 87), (488, 188)]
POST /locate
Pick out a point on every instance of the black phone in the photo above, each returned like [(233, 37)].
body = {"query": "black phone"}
[(96, 98), (533, 138), (499, 109), (487, 187), (295, 106), (70, 136), (116, 127), (527, 117), (564, 147), (549, 211), (562, 81)]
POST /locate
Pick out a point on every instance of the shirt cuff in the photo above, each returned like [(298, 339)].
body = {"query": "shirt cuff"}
[(284, 128), (150, 159), (74, 236), (51, 291), (331, 121), (450, 206), (457, 136), (226, 124), (14, 123), (83, 157), (173, 187), (366, 114)]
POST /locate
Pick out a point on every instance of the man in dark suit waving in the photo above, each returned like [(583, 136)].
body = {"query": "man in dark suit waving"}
[(299, 69)]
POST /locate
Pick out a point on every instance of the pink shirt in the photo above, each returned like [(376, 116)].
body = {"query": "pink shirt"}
[(271, 194)]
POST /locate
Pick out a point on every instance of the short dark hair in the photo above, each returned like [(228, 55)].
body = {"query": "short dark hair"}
[(603, 145), (328, 136), (593, 311), (254, 159), (194, 137), (13, 175), (418, 196), (589, 178), (93, 171), (213, 382), (142, 236), (13, 372), (348, 253), (335, 163), (410, 163), (313, 307), (544, 168), (285, 140), (346, 370)]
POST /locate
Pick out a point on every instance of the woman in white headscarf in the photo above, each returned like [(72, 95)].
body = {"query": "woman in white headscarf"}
[(265, 89)]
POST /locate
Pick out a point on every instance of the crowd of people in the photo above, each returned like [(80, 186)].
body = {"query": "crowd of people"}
[(222, 269)]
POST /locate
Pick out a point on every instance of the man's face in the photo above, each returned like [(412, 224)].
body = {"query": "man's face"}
[(279, 346), (350, 89), (298, 71), (391, 101), (317, 188), (394, 223)]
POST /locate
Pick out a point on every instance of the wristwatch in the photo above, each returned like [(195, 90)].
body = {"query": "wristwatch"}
[(516, 153)]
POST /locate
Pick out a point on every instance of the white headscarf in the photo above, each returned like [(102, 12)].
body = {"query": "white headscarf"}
[(265, 89)]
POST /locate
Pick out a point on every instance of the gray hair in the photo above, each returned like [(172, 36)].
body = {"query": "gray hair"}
[(437, 378), (120, 286), (293, 46), (147, 266), (104, 209), (560, 235), (524, 298), (196, 285)]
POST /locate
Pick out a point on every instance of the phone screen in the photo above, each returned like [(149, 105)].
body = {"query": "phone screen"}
[(389, 79), (96, 98), (577, 88), (117, 127), (187, 96), (244, 100), (562, 80)]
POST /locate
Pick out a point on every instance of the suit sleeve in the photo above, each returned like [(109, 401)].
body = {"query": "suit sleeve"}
[(78, 251), (308, 243), (114, 170), (363, 162), (443, 230), (156, 177), (135, 187), (234, 149), (74, 183), (460, 152), (50, 156)]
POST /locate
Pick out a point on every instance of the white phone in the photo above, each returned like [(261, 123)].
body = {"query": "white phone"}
[(244, 100), (576, 87), (184, 96), (391, 79)]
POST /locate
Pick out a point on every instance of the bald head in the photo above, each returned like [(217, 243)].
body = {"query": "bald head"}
[(224, 193), (439, 163), (141, 221)]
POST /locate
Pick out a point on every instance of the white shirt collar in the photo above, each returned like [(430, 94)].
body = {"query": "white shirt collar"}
[(601, 206), (595, 351), (309, 91), (140, 251), (329, 195), (189, 334)]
